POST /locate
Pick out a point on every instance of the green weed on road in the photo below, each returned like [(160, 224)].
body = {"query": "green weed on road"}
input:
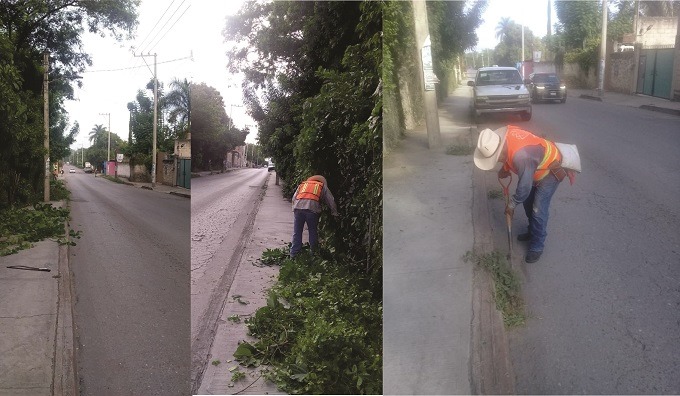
[(507, 289)]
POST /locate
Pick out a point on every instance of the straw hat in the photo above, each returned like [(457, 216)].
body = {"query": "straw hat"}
[(489, 147)]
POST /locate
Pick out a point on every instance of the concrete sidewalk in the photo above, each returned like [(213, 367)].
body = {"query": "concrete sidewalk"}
[(272, 228), (636, 100), (36, 323), (428, 228)]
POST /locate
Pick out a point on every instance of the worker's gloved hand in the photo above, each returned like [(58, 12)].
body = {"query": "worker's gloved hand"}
[(510, 211), (502, 173)]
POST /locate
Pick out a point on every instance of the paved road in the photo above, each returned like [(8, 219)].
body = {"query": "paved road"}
[(131, 274), (222, 211), (604, 300)]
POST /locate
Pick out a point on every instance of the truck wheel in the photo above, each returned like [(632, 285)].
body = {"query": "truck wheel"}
[(526, 116)]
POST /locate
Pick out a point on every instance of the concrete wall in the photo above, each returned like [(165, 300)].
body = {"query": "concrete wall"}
[(662, 32), (574, 77), (621, 72), (124, 169)]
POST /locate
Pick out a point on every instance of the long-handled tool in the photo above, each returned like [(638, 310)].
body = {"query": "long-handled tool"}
[(508, 219)]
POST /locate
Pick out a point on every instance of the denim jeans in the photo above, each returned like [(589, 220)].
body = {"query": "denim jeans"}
[(537, 208), (302, 216)]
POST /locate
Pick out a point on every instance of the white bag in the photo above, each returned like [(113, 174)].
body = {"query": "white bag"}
[(570, 158)]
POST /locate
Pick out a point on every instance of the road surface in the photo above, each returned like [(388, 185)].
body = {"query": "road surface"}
[(131, 280), (223, 209), (604, 299)]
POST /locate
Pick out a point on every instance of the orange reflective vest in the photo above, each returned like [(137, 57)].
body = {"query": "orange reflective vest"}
[(517, 138), (310, 189)]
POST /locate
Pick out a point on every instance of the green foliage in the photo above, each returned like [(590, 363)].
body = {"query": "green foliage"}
[(216, 362), (237, 376), (507, 288), (26, 29), (452, 31), (58, 190), (579, 21), (321, 329), (212, 131), (20, 227)]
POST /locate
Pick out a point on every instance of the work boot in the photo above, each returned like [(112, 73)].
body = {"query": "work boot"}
[(524, 237), (532, 257)]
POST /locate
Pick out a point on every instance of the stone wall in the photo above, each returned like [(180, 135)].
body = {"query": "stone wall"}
[(621, 72), (575, 77), (140, 174)]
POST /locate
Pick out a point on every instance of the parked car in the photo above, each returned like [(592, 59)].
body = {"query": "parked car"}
[(546, 86), (499, 90), (270, 166), (71, 170)]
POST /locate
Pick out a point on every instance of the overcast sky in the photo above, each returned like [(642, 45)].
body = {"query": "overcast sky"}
[(184, 27), (532, 13), (177, 29)]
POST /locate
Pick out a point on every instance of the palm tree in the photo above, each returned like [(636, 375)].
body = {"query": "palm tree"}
[(503, 28), (179, 102), (98, 134)]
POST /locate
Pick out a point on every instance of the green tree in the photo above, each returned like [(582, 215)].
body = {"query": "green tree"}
[(503, 28), (211, 137), (178, 103), (27, 29)]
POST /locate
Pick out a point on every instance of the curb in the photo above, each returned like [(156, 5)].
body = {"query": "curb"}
[(64, 369), (491, 368), (180, 194), (661, 109), (591, 97)]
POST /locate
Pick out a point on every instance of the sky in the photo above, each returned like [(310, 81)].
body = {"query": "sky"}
[(532, 13), (187, 34), (184, 28)]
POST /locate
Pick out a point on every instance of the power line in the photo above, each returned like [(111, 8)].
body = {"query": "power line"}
[(173, 25), (157, 22), (135, 67), (166, 22)]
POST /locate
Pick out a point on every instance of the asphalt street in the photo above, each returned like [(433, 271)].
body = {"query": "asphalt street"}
[(223, 209), (604, 299), (131, 281)]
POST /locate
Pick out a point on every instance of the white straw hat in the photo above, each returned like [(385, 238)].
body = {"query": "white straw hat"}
[(489, 147)]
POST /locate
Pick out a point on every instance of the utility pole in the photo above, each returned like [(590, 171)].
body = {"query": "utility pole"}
[(46, 120), (603, 49), (108, 151), (425, 68), (155, 117), (522, 57)]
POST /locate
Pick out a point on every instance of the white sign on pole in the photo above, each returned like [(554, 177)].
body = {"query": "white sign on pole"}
[(428, 71), (119, 157)]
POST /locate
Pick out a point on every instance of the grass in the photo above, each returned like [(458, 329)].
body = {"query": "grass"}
[(460, 149), (507, 289)]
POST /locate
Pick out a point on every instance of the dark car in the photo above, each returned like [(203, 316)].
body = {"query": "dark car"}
[(546, 86)]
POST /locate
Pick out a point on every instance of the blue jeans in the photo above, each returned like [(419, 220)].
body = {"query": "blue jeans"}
[(537, 208), (302, 216)]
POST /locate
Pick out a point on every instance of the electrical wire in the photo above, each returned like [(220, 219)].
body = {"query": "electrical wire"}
[(166, 22), (157, 22), (173, 25), (135, 67)]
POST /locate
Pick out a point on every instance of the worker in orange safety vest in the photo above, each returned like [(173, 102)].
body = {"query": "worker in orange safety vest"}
[(537, 162), (307, 210)]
